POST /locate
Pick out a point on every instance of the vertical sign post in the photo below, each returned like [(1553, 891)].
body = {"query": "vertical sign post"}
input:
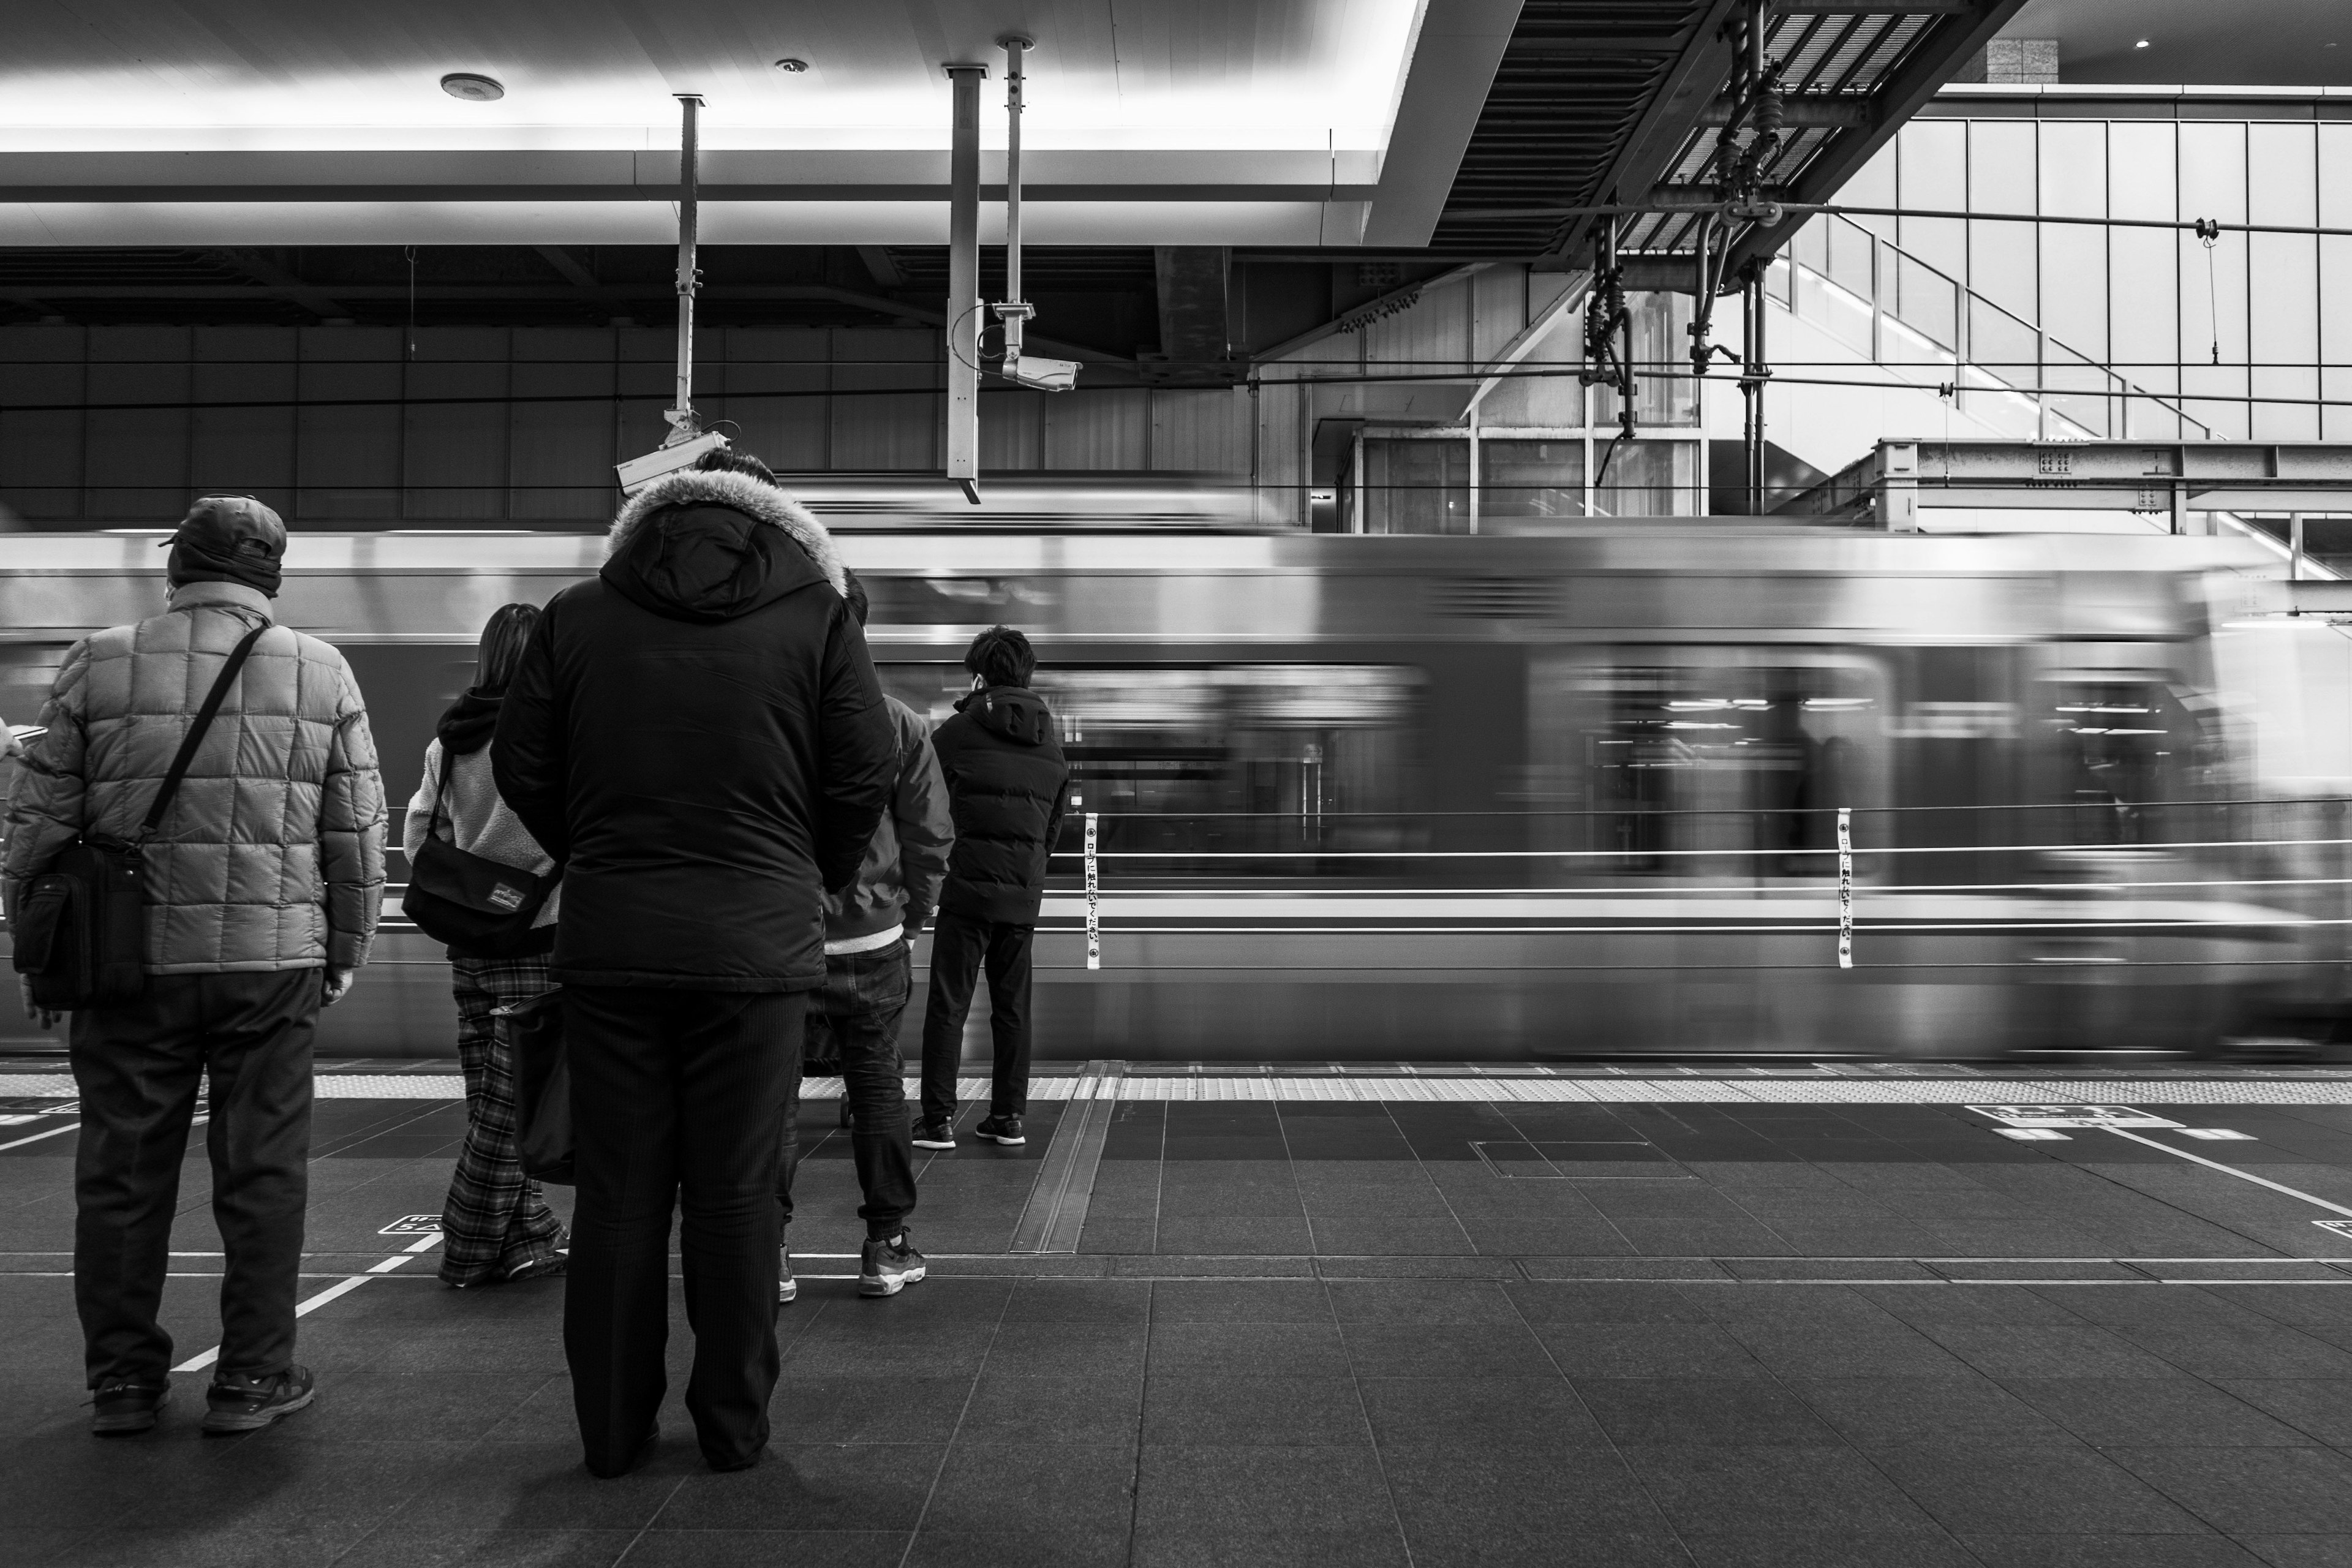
[(1845, 887), (963, 433), (1094, 901)]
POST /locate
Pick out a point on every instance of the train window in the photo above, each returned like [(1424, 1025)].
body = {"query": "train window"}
[(28, 670), (1288, 760), (2131, 756), (1657, 760)]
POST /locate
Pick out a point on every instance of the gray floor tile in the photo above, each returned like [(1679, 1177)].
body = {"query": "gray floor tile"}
[(2108, 1551), (1790, 1351), (1458, 1492), (1548, 1303), (488, 1549), (1702, 1411), (1212, 1236), (1080, 1301), (2251, 1491), (1075, 1349), (761, 1548), (1723, 1490), (1384, 1237), (1423, 1302), (1012, 1548), (1189, 1492), (2149, 1410), (1240, 1301), (1086, 1489), (1642, 1349), (2059, 1489), (2234, 1349), (1443, 1350), (1257, 1410), (216, 1545), (1248, 1350), (1008, 1408), (2042, 1351), (839, 1409), (1825, 1549), (809, 1486), (2303, 1551), (1537, 1413)]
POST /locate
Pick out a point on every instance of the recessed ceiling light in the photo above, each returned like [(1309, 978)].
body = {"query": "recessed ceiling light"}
[(2141, 45), (473, 87), (794, 66)]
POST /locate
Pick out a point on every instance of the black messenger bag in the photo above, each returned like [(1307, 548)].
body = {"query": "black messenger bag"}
[(480, 908), (81, 929)]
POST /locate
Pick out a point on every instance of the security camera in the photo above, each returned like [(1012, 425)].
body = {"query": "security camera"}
[(638, 472), (1043, 375)]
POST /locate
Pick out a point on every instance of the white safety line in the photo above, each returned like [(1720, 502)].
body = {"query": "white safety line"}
[(2233, 1170), (305, 1308), (52, 1133)]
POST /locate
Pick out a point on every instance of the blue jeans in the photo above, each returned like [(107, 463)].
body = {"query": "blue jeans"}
[(856, 1017)]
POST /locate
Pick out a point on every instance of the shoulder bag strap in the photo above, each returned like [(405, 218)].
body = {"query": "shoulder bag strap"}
[(195, 735), (441, 797)]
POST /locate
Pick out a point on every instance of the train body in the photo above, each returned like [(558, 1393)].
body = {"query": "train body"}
[(1505, 798)]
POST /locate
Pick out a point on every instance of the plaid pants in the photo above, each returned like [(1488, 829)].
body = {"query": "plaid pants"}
[(496, 1220)]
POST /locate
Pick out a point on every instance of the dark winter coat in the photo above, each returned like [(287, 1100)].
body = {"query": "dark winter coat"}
[(1002, 755), (697, 736)]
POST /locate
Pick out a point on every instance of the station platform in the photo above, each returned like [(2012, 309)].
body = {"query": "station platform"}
[(1844, 1313)]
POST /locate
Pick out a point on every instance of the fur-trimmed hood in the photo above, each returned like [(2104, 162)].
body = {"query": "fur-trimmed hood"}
[(737, 492)]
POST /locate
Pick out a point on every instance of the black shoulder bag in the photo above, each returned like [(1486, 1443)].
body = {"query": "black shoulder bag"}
[(81, 930), (480, 908)]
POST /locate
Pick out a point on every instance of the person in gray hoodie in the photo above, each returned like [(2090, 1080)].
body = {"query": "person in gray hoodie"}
[(869, 929), (495, 1225)]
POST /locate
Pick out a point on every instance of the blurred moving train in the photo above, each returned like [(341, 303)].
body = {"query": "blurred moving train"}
[(1539, 796)]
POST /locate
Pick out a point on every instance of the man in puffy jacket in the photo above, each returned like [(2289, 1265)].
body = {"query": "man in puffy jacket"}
[(696, 736), (266, 870), (868, 976), (1002, 756)]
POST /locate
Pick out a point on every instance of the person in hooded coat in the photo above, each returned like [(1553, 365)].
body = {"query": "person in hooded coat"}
[(495, 1225), (1000, 754), (696, 736)]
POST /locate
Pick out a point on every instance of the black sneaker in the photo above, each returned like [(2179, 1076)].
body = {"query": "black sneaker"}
[(236, 1404), (125, 1408), (934, 1135), (788, 1290), (887, 1268), (1000, 1129)]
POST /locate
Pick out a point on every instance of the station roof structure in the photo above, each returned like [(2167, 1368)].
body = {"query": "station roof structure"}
[(157, 157)]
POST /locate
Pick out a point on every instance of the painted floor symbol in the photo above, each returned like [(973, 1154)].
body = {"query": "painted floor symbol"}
[(414, 1225), (2071, 1116), (2339, 1227)]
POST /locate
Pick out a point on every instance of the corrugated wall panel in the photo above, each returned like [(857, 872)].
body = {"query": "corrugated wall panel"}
[(348, 460), (1201, 432), (882, 432), (1013, 429), (1105, 429), (139, 457), (454, 455), (786, 432), (561, 454), (245, 451), (41, 454)]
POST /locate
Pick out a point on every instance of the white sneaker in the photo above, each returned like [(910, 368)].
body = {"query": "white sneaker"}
[(787, 1288)]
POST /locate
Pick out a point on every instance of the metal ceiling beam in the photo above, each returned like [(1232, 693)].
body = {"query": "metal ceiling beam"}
[(276, 280), (1687, 87), (1942, 49)]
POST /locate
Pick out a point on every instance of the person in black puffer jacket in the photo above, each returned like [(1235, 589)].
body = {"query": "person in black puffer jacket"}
[(697, 735), (1007, 783)]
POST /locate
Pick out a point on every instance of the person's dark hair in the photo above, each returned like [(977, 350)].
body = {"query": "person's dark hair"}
[(503, 640), (856, 593), (1001, 657), (727, 461)]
